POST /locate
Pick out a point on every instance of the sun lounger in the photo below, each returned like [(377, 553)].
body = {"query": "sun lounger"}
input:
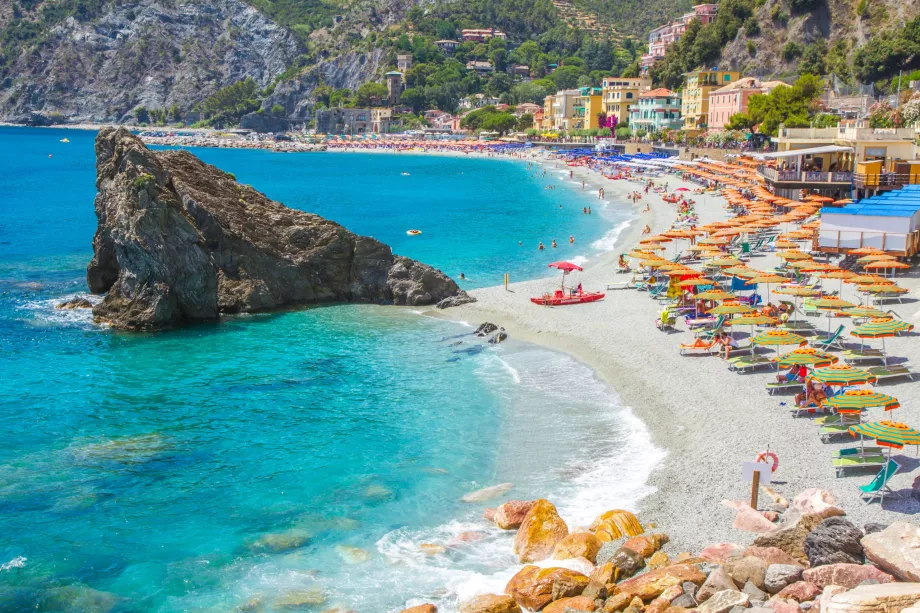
[(785, 385), (890, 372), (865, 355), (858, 462), (828, 432), (749, 363), (882, 298), (697, 347), (831, 342), (619, 285), (879, 486), (857, 451)]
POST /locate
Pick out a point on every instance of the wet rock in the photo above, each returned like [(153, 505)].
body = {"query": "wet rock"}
[(179, 241), (616, 603), (533, 587), (574, 603), (422, 608), (627, 563), (779, 576), (485, 329), (510, 515), (770, 555), (77, 597), (353, 555), (487, 493), (722, 602), (847, 575), (882, 598), (490, 603), (615, 524), (278, 542), (834, 541), (791, 535), (432, 549), (749, 569), (378, 492), (539, 533), (754, 593), (815, 501), (646, 544), (75, 303), (469, 536), (896, 550), (659, 559), (717, 581), (455, 301), (800, 591), (299, 599), (651, 584), (595, 591), (722, 552), (499, 337), (577, 545)]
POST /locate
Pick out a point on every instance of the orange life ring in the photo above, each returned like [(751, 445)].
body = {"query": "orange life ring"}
[(763, 455)]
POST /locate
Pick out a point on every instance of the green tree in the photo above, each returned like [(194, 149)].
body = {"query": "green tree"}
[(566, 77), (141, 114), (371, 94), (277, 110), (529, 91), (413, 97)]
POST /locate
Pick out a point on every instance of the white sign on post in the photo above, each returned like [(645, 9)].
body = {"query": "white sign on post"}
[(749, 468)]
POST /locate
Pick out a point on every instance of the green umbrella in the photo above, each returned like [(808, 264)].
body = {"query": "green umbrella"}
[(842, 374), (732, 309), (831, 304), (777, 338), (891, 434), (805, 356), (856, 400), (881, 327), (860, 312)]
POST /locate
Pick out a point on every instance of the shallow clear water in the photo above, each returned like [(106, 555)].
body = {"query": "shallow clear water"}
[(294, 461)]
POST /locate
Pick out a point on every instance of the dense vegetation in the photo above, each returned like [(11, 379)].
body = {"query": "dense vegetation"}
[(31, 19), (299, 16), (635, 17), (794, 106), (885, 54)]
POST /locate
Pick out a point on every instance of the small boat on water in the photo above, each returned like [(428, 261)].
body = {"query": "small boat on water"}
[(562, 296), (65, 140), (413, 232)]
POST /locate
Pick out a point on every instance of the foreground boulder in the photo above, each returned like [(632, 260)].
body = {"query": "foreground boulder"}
[(835, 541), (882, 598), (650, 585), (577, 545), (846, 575), (511, 514), (791, 535), (490, 603), (615, 524), (896, 550), (534, 588), (539, 533), (179, 241)]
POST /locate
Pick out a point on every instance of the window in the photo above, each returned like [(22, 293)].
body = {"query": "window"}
[(629, 95), (727, 78)]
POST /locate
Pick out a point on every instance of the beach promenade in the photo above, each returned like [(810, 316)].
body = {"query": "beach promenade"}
[(709, 419)]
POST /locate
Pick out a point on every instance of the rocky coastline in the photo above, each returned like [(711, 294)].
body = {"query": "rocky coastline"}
[(233, 143), (179, 241), (807, 557)]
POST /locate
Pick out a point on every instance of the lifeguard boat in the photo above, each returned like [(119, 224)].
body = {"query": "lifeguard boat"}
[(562, 296)]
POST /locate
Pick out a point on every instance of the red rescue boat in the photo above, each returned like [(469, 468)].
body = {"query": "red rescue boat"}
[(562, 296)]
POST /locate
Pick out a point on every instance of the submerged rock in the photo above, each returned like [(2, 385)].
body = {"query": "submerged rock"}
[(179, 241), (277, 542), (77, 598), (74, 303), (487, 493), (353, 555)]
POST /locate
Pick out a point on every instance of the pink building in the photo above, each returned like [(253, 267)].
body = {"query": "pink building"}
[(664, 36), (733, 98)]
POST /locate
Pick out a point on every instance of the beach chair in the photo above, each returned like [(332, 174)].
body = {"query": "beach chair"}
[(749, 362), (831, 342), (666, 320), (851, 356), (775, 386), (879, 486), (697, 347), (619, 285), (809, 308), (828, 431), (854, 458), (890, 372)]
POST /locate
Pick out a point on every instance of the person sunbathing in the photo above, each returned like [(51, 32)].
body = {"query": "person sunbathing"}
[(813, 395), (647, 229)]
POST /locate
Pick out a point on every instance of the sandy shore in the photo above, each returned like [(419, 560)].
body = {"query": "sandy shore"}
[(709, 419)]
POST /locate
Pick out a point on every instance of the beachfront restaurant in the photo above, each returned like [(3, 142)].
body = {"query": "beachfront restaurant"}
[(889, 221), (826, 170)]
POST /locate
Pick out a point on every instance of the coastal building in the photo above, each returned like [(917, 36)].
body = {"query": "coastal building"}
[(526, 108), (538, 119), (477, 101), (656, 110), (343, 121), (589, 104), (695, 101), (831, 161), (889, 221), (480, 67), (394, 87), (482, 35), (447, 46), (563, 107), (403, 61), (733, 98), (549, 112), (519, 70), (620, 93), (382, 121), (662, 37)]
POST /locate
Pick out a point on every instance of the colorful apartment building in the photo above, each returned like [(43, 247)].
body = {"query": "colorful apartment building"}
[(664, 36), (620, 93), (482, 35), (697, 87), (733, 98), (588, 105), (657, 110)]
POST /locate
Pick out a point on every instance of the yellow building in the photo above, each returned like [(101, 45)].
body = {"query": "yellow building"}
[(588, 105), (697, 87), (620, 93), (549, 111)]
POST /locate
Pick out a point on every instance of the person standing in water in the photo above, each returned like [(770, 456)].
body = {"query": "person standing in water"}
[(571, 239), (554, 243), (541, 247)]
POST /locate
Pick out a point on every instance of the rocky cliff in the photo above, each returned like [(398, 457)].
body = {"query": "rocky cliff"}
[(180, 241), (149, 52)]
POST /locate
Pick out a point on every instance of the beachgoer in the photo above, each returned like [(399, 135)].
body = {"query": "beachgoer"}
[(584, 210), (582, 186), (571, 239), (462, 276), (622, 262), (788, 376), (541, 247), (589, 210), (554, 243), (647, 229), (520, 243), (578, 289)]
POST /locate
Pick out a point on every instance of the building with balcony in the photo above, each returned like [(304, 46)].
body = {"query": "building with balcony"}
[(526, 108), (477, 101), (620, 93), (564, 109), (733, 98), (695, 102), (657, 110), (482, 35), (662, 37), (403, 61), (480, 67), (447, 46), (588, 105)]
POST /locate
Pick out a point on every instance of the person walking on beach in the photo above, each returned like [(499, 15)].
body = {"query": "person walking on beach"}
[(582, 186)]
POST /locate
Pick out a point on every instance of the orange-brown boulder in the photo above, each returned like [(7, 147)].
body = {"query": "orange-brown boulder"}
[(539, 533), (534, 587), (616, 603), (646, 544), (511, 514), (579, 544), (578, 603), (651, 584), (605, 573), (490, 603), (422, 608), (659, 559), (615, 524)]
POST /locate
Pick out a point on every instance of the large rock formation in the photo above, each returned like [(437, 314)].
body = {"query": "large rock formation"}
[(180, 241)]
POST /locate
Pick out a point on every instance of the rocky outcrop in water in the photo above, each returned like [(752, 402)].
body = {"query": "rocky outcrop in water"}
[(179, 241)]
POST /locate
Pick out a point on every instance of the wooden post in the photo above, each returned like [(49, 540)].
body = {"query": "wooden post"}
[(755, 489), (506, 282)]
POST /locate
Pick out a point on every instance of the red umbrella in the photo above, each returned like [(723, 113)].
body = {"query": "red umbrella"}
[(565, 266), (682, 189)]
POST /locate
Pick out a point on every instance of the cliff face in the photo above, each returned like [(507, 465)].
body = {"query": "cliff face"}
[(150, 52), (180, 241)]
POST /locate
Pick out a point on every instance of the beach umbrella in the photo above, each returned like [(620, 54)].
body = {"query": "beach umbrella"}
[(842, 374), (831, 304), (797, 292), (859, 312), (777, 339), (713, 241), (880, 288), (732, 309), (714, 294), (854, 401), (741, 271), (891, 434), (886, 265), (807, 356), (566, 268), (768, 279), (866, 251), (723, 261), (784, 244), (792, 254), (695, 282), (881, 327), (839, 274), (875, 257), (868, 279)]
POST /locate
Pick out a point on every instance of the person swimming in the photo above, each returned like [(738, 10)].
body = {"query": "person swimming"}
[(541, 247), (554, 243), (462, 276), (571, 239)]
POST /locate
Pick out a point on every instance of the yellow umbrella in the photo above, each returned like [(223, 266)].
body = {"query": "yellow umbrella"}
[(714, 294), (794, 255)]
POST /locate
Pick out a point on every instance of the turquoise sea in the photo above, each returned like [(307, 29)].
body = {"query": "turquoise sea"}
[(293, 461)]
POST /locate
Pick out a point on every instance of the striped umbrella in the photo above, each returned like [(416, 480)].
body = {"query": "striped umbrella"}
[(831, 304), (868, 279), (768, 279), (797, 292), (862, 312), (875, 257), (777, 338), (886, 265), (732, 309), (839, 274), (842, 374), (697, 281), (714, 294), (881, 327), (854, 401), (890, 434), (882, 288), (808, 356)]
